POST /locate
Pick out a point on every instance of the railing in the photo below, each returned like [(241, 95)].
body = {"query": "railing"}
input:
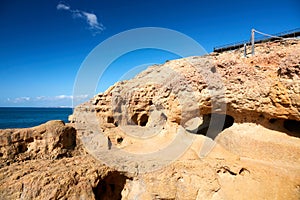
[(286, 34)]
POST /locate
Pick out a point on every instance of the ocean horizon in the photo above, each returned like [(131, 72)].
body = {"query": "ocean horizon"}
[(25, 117)]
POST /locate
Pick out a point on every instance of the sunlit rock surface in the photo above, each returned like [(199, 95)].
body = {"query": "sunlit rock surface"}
[(104, 152)]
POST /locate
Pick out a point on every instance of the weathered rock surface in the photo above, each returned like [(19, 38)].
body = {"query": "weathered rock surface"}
[(44, 162), (121, 143), (47, 141)]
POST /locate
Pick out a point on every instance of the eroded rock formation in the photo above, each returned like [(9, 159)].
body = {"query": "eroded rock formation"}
[(121, 143), (47, 141)]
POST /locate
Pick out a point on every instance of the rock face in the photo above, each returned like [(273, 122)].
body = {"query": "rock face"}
[(266, 84), (45, 162), (48, 141), (148, 138)]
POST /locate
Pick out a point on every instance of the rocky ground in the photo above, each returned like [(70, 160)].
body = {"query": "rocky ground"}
[(151, 137)]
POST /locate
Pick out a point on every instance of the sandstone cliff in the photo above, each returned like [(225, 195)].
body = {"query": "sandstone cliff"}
[(148, 137)]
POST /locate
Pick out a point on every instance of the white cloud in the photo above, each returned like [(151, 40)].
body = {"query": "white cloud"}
[(47, 101), (77, 14), (60, 97), (47, 98), (19, 99), (40, 98), (90, 18), (63, 97), (83, 96), (26, 98), (62, 6), (93, 21)]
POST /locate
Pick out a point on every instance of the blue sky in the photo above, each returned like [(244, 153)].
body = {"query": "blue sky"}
[(43, 43)]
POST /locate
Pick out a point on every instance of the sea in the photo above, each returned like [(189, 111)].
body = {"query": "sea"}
[(24, 117)]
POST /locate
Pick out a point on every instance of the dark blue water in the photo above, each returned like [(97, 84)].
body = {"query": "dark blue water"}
[(28, 117)]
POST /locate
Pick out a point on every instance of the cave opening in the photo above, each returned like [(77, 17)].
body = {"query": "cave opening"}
[(144, 120), (110, 187), (218, 118), (292, 126), (134, 118), (141, 121)]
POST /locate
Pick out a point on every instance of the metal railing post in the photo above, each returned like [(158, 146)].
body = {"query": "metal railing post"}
[(252, 40)]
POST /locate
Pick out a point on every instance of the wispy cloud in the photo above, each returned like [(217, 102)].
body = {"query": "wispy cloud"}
[(90, 18), (63, 97), (59, 100), (19, 99), (62, 6)]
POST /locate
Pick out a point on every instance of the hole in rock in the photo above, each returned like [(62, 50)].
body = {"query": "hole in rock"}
[(292, 125), (1, 154), (116, 124), (144, 120), (119, 140), (110, 119), (29, 140), (213, 70), (22, 147), (134, 118), (272, 121), (110, 187), (141, 121), (226, 120)]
